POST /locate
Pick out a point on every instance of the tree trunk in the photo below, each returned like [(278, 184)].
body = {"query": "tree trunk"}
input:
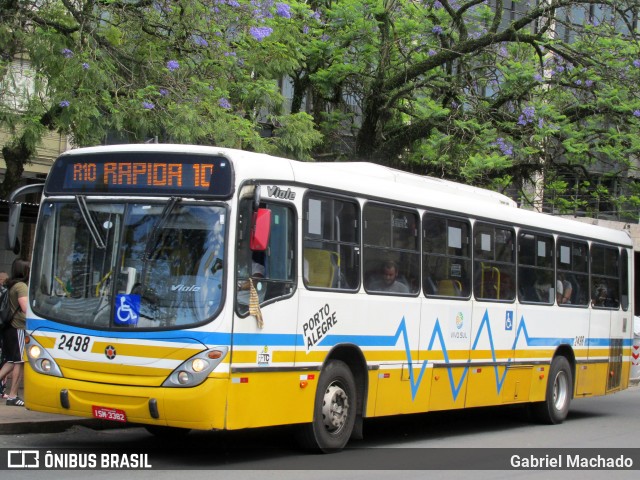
[(15, 156)]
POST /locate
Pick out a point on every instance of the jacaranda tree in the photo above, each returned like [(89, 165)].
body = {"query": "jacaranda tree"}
[(488, 92), (495, 93), (193, 71)]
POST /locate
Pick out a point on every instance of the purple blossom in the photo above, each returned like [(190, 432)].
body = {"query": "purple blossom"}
[(432, 52), (164, 92), (578, 82), (528, 114), (437, 30), (504, 147), (260, 33), (66, 53), (537, 77), (636, 113), (283, 10), (636, 63), (201, 41), (85, 66), (224, 103), (173, 65), (148, 105), (64, 103), (233, 3), (437, 4), (588, 83)]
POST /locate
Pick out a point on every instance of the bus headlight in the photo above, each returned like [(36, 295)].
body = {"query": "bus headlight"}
[(40, 360), (195, 370), (35, 351)]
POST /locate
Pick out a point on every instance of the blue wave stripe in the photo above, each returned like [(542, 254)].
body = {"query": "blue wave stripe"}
[(293, 340)]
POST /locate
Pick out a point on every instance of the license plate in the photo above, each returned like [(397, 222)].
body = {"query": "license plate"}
[(105, 413)]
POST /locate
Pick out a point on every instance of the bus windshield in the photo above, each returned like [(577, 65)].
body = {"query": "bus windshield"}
[(129, 265)]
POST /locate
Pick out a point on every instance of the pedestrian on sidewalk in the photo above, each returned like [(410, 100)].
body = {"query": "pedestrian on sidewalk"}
[(13, 334), (3, 280)]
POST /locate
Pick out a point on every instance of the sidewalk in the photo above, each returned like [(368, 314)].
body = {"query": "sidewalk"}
[(19, 420)]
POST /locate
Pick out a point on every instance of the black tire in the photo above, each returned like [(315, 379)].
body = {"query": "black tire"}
[(334, 411), (164, 432), (555, 408)]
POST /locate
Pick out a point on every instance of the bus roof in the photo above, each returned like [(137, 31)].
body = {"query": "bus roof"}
[(380, 182)]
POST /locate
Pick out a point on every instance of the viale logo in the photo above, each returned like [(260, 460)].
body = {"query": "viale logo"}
[(277, 192)]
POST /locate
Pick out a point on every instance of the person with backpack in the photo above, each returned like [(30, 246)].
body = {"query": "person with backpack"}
[(13, 334)]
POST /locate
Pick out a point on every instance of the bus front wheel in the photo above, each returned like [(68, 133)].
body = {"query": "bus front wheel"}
[(559, 392), (334, 411)]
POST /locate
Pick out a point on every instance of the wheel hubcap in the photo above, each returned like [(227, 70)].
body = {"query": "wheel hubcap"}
[(560, 390), (335, 408)]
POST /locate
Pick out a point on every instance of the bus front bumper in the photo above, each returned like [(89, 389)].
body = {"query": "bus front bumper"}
[(201, 407)]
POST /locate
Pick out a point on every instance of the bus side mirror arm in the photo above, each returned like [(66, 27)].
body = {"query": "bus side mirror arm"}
[(15, 208)]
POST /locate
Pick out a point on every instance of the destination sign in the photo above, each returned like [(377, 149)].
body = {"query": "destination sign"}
[(142, 173)]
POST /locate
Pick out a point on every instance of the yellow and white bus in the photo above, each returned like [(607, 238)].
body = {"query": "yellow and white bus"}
[(189, 287)]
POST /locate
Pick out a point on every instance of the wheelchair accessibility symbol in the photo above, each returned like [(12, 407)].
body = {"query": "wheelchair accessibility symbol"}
[(508, 321), (127, 309)]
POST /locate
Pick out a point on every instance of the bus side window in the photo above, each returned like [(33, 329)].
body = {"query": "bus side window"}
[(494, 256), (572, 263), (331, 240), (391, 249), (605, 277), (535, 267), (447, 256), (272, 270)]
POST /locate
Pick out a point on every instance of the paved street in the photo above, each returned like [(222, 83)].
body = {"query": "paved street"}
[(457, 439)]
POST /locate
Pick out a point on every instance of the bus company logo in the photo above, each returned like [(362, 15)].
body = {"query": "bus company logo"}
[(23, 459), (185, 288), (459, 333), (110, 352), (277, 192), (264, 357)]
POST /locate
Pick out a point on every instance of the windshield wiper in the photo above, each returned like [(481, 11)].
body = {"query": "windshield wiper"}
[(164, 216), (89, 221)]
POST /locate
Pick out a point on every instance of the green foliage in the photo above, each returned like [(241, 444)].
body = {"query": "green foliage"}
[(182, 71), (442, 87), (295, 136)]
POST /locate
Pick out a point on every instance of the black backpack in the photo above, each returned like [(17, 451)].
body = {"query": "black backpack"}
[(6, 315)]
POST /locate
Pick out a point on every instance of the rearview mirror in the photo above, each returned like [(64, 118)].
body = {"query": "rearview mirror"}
[(260, 230)]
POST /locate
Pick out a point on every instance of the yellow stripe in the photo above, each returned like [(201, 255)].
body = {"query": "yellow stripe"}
[(46, 342), (101, 367)]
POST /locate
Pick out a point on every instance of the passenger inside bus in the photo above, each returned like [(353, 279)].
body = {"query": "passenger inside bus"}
[(387, 279), (564, 290), (544, 290)]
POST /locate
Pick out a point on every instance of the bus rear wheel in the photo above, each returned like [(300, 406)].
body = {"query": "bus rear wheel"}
[(555, 408), (334, 411)]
